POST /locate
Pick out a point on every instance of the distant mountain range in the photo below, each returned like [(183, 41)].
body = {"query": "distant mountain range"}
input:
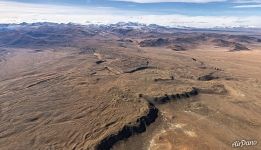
[(128, 25), (74, 35)]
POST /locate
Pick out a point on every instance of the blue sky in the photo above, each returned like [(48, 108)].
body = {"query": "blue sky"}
[(229, 12), (186, 7)]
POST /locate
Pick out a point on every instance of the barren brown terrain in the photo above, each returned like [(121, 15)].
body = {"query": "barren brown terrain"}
[(78, 87)]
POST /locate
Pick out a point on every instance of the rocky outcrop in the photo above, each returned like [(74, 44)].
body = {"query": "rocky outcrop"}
[(208, 77), (99, 61), (130, 129), (234, 46), (136, 69), (190, 40), (164, 79), (239, 47), (154, 42), (167, 98), (177, 48), (87, 50), (222, 43), (129, 64), (125, 40), (215, 89)]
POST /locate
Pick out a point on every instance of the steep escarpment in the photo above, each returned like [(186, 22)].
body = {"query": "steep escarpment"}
[(171, 97), (141, 123), (130, 129)]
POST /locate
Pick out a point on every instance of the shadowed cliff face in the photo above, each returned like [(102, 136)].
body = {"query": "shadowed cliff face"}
[(130, 129), (66, 86)]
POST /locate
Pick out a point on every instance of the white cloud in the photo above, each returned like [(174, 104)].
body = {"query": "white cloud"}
[(246, 1), (248, 6), (12, 12), (161, 1)]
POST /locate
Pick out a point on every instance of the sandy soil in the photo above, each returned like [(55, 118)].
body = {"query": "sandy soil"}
[(63, 99)]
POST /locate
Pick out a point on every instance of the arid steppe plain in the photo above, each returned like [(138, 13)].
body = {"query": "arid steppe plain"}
[(66, 86)]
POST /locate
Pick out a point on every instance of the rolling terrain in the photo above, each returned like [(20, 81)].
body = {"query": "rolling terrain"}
[(128, 86)]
